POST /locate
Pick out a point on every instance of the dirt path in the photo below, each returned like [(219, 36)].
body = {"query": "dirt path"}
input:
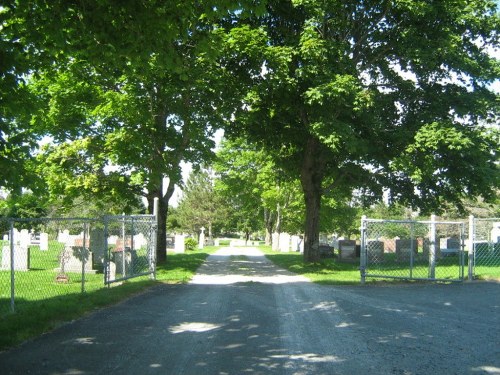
[(241, 314)]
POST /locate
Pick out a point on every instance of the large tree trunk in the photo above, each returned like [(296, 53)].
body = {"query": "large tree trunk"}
[(311, 177), (161, 232), (269, 222)]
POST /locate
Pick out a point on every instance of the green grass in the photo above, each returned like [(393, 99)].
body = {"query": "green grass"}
[(332, 272), (328, 271), (42, 304)]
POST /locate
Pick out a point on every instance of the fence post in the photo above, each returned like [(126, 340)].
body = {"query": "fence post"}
[(472, 252), (84, 255), (432, 248), (152, 256), (12, 277), (106, 252), (362, 255)]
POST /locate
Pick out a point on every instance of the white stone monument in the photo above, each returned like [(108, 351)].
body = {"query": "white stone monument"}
[(44, 241), (275, 244), (21, 258), (179, 246), (201, 242), (284, 242)]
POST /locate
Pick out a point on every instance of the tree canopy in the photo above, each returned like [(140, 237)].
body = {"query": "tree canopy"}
[(370, 95)]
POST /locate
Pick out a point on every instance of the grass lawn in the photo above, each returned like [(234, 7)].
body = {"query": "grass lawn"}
[(42, 304), (328, 271), (331, 272)]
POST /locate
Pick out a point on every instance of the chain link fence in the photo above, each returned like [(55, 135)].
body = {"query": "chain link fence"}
[(415, 250), (42, 259), (130, 247), (485, 235)]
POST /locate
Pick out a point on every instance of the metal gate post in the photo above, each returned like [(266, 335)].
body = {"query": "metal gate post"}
[(106, 252), (472, 251), (462, 251), (84, 255), (362, 255), (153, 231), (412, 247), (432, 248), (12, 277)]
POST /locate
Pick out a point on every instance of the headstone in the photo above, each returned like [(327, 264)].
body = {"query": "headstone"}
[(72, 258), (179, 244), (25, 238), (5, 237), (217, 242), (97, 247), (404, 248), (284, 242), (63, 236), (495, 232), (275, 244), (44, 241), (21, 258), (375, 251), (16, 236), (201, 240), (449, 246), (295, 243), (140, 241), (111, 271), (112, 240), (301, 245), (347, 250)]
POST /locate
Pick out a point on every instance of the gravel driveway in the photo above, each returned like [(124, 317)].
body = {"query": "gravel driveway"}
[(243, 315)]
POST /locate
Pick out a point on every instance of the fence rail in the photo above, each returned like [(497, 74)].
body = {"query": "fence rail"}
[(46, 258)]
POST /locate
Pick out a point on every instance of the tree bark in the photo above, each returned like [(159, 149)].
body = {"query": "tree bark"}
[(311, 177), (161, 232)]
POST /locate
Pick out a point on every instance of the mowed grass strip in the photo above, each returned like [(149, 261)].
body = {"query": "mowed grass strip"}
[(328, 271), (35, 316)]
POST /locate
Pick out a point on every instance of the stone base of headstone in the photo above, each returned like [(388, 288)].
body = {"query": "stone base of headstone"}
[(62, 278)]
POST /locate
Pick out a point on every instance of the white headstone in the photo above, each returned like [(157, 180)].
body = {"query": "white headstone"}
[(217, 242), (179, 244), (112, 240), (16, 237), (5, 237), (73, 257), (275, 241), (44, 241), (284, 242), (62, 237), (21, 258), (495, 232), (112, 271), (295, 243), (201, 242), (25, 238)]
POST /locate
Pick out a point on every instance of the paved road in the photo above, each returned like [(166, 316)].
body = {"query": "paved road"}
[(242, 315)]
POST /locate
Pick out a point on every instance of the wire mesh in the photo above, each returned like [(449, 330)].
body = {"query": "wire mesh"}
[(44, 259), (130, 246), (486, 247), (413, 250)]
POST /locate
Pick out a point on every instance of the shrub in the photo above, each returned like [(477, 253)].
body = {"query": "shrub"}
[(190, 243)]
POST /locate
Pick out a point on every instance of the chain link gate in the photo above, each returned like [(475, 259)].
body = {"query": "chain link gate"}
[(130, 247), (485, 243), (412, 250)]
